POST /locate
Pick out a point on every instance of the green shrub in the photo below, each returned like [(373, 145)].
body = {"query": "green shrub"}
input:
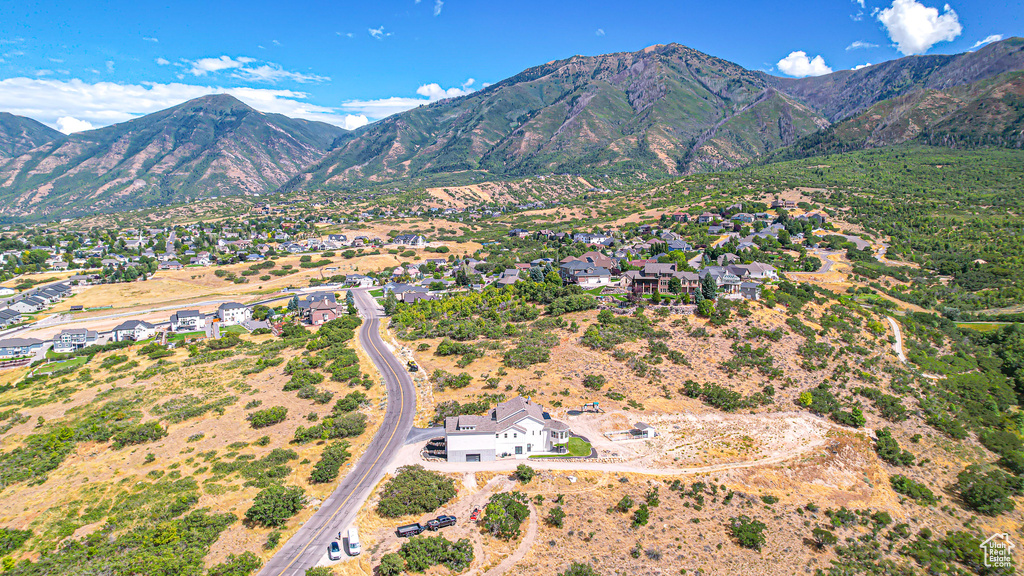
[(414, 490), (524, 473), (139, 434), (331, 459), (913, 490), (988, 492), (505, 513), (273, 506), (594, 381), (267, 417), (748, 532), (889, 449), (11, 539), (335, 426), (576, 569), (422, 552)]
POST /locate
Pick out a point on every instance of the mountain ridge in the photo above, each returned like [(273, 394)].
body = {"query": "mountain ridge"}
[(205, 147), (19, 134)]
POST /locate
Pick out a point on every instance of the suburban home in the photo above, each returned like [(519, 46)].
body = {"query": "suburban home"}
[(188, 321), (73, 339), (359, 281), (323, 310), (755, 271), (134, 330), (706, 218), (592, 238), (171, 265), (9, 317), (27, 305), (231, 313), (19, 347), (727, 282), (787, 204), (584, 273), (743, 217), (414, 297), (519, 233), (5, 291), (518, 427), (414, 240), (750, 290), (508, 277), (655, 277)]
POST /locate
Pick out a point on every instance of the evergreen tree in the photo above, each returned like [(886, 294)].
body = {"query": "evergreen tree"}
[(390, 304)]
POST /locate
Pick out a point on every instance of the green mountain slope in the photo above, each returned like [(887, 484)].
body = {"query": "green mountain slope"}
[(986, 113), (19, 134), (845, 93), (210, 146), (650, 111)]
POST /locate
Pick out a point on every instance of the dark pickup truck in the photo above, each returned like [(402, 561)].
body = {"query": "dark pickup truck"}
[(441, 522), (410, 530)]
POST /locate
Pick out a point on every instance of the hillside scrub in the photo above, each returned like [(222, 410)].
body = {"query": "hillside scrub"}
[(414, 490)]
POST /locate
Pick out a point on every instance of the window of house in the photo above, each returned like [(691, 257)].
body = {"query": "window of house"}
[(519, 449), (506, 434)]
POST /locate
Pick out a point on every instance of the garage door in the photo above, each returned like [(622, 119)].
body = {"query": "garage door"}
[(472, 457)]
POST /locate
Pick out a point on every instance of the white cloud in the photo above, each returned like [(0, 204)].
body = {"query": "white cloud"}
[(859, 66), (104, 103), (69, 124), (859, 3), (150, 39), (915, 28), (44, 72), (384, 107), (599, 32), (437, 7), (110, 65), (251, 69), (378, 33), (163, 61), (799, 65), (203, 65), (861, 44), (987, 40)]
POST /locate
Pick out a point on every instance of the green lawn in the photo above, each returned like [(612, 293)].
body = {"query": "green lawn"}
[(78, 361), (377, 293), (182, 335), (236, 329), (577, 447)]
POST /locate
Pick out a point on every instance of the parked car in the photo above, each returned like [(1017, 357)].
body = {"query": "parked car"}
[(410, 530), (476, 515), (413, 367), (334, 551), (440, 522)]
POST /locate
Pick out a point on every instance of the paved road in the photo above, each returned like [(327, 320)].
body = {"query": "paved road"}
[(309, 545)]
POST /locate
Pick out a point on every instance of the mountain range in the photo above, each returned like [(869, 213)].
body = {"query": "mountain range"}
[(664, 110)]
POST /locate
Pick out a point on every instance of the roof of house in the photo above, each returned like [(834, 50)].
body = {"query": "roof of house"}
[(230, 306), (19, 342), (132, 325), (186, 314), (644, 426)]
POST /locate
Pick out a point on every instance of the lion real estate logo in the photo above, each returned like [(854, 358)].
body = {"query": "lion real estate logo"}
[(998, 551)]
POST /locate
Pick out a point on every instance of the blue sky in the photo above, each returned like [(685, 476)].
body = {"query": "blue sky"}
[(75, 65)]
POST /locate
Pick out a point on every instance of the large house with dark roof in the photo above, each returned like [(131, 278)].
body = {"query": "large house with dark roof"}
[(134, 330), (655, 277), (517, 428)]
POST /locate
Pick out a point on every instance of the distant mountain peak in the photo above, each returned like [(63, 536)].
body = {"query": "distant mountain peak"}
[(19, 134)]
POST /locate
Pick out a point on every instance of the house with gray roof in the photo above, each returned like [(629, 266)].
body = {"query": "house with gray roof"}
[(516, 428)]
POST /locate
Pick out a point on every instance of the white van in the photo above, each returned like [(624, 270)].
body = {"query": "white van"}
[(353, 542)]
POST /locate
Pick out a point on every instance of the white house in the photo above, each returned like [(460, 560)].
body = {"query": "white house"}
[(518, 428), (231, 313), (27, 305), (5, 291), (134, 330), (187, 321), (411, 240), (359, 281), (73, 339)]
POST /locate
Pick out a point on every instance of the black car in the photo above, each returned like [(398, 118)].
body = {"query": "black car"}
[(441, 522)]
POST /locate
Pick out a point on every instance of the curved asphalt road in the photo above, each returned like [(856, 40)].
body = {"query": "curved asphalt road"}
[(309, 545)]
